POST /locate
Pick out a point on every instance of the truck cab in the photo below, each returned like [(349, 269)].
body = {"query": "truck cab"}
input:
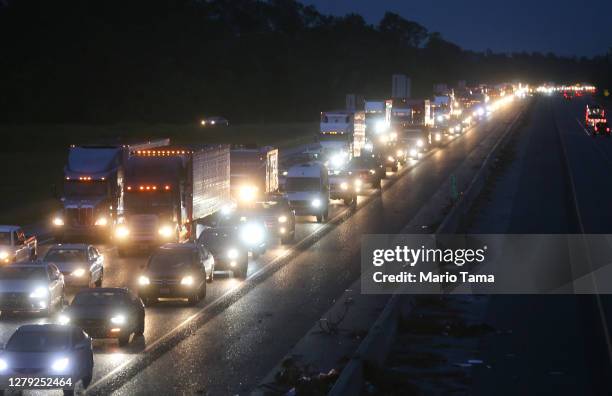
[(253, 173), (307, 189), (341, 136)]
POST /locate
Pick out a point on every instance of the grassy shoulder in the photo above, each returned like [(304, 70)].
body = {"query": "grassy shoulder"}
[(37, 160)]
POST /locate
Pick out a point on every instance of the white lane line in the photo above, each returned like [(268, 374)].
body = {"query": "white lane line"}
[(583, 128)]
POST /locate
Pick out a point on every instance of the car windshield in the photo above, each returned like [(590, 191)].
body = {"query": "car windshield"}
[(38, 341), (296, 184), (100, 298), (5, 238), (362, 163), (65, 255), (171, 261), (24, 273)]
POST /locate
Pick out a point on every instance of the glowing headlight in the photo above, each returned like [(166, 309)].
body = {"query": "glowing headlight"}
[(58, 222), (122, 232), (344, 185), (79, 272), (187, 280), (420, 143), (3, 365), (337, 160), (390, 159), (282, 219), (4, 255), (118, 319), (63, 319), (60, 364), (399, 153), (393, 135), (232, 254), (381, 126), (368, 147), (247, 193), (451, 129), (316, 202), (440, 118), (143, 280), (101, 221), (39, 292), (358, 183), (413, 153), (438, 137), (457, 128), (372, 171), (252, 234), (284, 173), (165, 231)]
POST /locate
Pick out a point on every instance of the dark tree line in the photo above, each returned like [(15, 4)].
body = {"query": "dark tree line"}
[(107, 61)]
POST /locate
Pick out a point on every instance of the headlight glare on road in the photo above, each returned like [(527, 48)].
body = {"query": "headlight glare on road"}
[(3, 365), (282, 219), (187, 280), (118, 319), (165, 231), (60, 365), (39, 292), (63, 319), (122, 232), (79, 272), (58, 222), (101, 221), (144, 280), (344, 186), (232, 254), (316, 203)]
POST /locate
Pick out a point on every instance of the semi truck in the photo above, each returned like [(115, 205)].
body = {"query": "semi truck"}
[(341, 136), (412, 119), (93, 190), (253, 172), (168, 190)]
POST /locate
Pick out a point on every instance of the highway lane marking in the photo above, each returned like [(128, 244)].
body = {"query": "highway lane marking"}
[(583, 128), (333, 222)]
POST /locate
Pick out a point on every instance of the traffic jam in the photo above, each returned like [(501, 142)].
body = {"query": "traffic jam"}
[(192, 215)]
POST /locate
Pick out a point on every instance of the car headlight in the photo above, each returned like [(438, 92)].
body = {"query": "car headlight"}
[(316, 202), (58, 222), (282, 219), (3, 365), (413, 153), (165, 231), (79, 272), (284, 173), (372, 171), (101, 221), (247, 193), (390, 159), (118, 319), (187, 280), (381, 126), (252, 234), (358, 183), (63, 319), (122, 232), (368, 147), (438, 136), (399, 153), (39, 292), (457, 128), (144, 280), (344, 185), (60, 365), (337, 160), (4, 255), (393, 135), (232, 254), (420, 143)]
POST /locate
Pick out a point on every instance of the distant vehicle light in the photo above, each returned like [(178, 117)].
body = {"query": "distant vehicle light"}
[(390, 159), (101, 221), (166, 231), (316, 203), (58, 222), (393, 135), (122, 232), (39, 292), (232, 254), (413, 152), (358, 183), (420, 143), (399, 153), (368, 146), (372, 171), (282, 219), (344, 186)]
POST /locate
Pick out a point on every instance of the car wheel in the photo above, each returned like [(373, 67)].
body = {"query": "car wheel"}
[(141, 326), (124, 340), (99, 281), (87, 379)]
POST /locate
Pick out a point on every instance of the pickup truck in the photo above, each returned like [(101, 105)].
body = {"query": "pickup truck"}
[(15, 246)]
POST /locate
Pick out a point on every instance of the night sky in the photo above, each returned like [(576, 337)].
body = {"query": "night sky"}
[(565, 27)]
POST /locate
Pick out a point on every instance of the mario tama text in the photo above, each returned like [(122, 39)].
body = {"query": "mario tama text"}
[(486, 264)]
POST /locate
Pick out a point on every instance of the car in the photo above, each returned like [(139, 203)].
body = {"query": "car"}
[(344, 186), (111, 312), (277, 216), (177, 271), (307, 188), (15, 246), (31, 287), (214, 121), (50, 351), (369, 169), (601, 128), (81, 264)]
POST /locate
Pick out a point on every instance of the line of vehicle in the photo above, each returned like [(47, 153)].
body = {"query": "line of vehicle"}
[(120, 374)]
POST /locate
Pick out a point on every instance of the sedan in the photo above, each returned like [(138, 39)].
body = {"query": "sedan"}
[(82, 265), (50, 351), (107, 313), (31, 287), (177, 271)]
